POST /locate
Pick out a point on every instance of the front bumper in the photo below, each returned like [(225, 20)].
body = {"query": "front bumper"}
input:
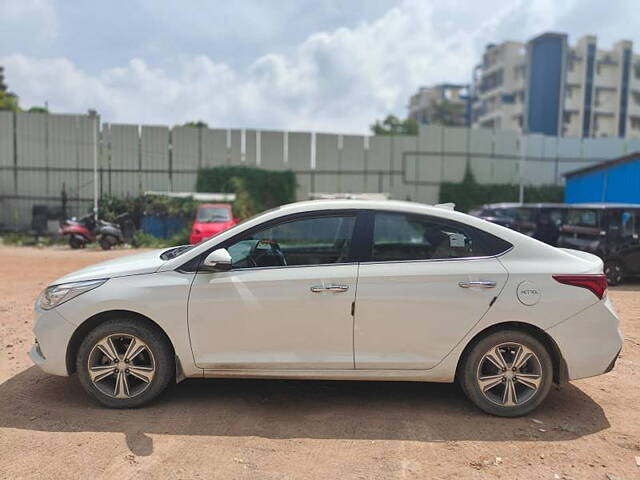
[(590, 341), (53, 334)]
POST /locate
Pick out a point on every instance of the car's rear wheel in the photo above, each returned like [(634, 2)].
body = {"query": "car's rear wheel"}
[(125, 363), (507, 373), (614, 272)]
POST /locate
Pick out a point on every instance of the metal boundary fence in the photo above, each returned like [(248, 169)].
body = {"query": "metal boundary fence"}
[(41, 155)]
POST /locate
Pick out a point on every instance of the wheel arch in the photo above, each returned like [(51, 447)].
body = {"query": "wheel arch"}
[(560, 371), (99, 318)]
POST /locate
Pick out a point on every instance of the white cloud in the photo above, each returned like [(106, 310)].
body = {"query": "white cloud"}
[(337, 80)]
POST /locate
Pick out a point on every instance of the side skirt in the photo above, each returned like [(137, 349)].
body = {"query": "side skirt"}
[(371, 375)]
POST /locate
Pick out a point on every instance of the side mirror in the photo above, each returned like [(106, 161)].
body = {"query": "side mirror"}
[(217, 261)]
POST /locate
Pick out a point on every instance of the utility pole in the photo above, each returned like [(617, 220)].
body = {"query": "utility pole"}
[(523, 153), (94, 128)]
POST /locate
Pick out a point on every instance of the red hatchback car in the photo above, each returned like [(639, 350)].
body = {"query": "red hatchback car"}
[(211, 219)]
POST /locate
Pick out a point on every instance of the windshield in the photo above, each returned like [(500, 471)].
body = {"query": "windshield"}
[(213, 214)]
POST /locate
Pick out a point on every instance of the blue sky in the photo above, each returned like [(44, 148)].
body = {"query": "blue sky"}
[(323, 65)]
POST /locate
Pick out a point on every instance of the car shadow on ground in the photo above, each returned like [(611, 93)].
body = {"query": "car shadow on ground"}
[(279, 409), (629, 285)]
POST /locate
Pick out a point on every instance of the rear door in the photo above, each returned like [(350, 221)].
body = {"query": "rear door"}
[(427, 281)]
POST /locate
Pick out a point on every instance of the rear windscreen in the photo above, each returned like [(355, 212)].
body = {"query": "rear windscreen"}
[(213, 214)]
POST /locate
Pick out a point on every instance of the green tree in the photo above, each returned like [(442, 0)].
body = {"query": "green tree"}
[(38, 110), (392, 125), (9, 101), (447, 113), (197, 124)]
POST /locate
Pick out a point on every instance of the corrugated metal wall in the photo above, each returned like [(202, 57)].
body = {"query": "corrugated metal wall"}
[(617, 183), (41, 154)]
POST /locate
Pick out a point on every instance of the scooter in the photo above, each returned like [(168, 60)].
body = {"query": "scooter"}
[(79, 231), (86, 230)]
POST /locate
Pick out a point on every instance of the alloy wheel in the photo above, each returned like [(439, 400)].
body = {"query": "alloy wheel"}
[(509, 374), (613, 272), (121, 365)]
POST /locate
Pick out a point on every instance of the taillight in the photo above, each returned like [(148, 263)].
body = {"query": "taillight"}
[(596, 283)]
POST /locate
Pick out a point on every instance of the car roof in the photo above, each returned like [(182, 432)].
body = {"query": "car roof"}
[(516, 204), (357, 204), (599, 205)]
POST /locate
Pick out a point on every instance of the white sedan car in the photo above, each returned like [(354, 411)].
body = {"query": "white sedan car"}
[(337, 289)]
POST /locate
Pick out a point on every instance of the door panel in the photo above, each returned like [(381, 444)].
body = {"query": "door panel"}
[(409, 315), (268, 318)]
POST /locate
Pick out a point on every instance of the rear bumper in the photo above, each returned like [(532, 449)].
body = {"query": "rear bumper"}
[(590, 341)]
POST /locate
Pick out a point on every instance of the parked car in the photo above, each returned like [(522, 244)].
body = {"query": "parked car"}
[(608, 230), (211, 219), (522, 217), (441, 296)]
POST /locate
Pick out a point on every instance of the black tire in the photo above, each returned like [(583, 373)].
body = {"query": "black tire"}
[(75, 243), (161, 353), (470, 372), (106, 242), (614, 271)]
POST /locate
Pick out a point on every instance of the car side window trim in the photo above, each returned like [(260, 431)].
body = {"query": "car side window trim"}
[(350, 260), (429, 260)]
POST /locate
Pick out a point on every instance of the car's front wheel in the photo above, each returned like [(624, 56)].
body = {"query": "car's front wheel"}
[(507, 373), (125, 363)]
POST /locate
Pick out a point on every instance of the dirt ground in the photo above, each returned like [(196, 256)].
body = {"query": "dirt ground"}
[(294, 429)]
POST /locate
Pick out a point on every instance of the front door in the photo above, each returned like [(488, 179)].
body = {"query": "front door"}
[(286, 303), (427, 283)]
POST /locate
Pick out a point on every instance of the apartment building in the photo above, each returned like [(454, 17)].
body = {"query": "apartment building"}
[(423, 105), (547, 86), (498, 87)]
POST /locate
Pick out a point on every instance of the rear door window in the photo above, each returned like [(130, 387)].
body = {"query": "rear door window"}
[(401, 237)]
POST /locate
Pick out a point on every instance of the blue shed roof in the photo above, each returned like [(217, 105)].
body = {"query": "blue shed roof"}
[(632, 157)]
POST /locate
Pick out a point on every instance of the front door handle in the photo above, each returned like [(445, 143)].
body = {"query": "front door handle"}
[(478, 283), (329, 288)]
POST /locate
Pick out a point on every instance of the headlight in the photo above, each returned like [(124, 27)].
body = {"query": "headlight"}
[(58, 294)]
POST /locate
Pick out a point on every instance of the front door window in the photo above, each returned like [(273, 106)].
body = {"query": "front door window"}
[(302, 242)]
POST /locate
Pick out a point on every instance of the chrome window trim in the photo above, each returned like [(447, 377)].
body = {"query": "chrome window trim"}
[(253, 269), (422, 260), (425, 260)]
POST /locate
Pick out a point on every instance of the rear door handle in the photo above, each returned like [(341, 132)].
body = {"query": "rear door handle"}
[(478, 283), (329, 288)]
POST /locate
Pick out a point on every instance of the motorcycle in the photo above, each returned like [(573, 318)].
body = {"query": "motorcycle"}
[(108, 234)]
